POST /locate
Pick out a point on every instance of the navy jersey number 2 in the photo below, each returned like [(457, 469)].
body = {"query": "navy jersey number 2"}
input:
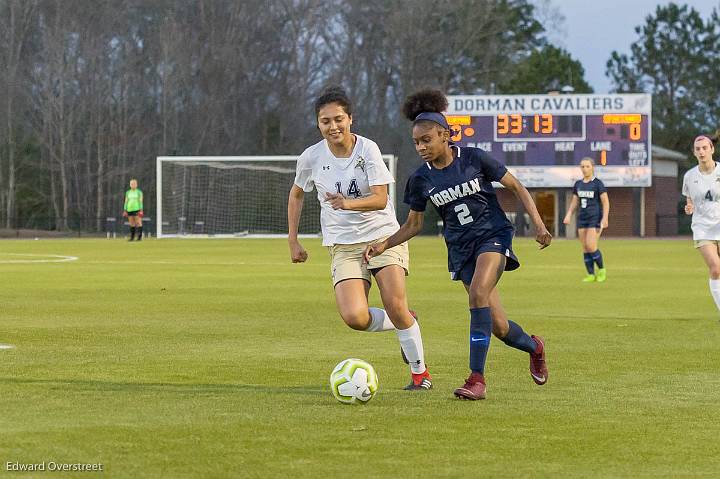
[(463, 195)]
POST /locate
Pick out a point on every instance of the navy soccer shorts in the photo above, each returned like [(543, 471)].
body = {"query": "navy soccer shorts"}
[(589, 224), (500, 244)]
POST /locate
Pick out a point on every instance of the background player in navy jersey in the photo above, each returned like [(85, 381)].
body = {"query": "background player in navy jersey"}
[(458, 182), (590, 194)]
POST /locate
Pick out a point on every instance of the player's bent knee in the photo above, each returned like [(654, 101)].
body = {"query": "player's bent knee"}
[(479, 299), (358, 321)]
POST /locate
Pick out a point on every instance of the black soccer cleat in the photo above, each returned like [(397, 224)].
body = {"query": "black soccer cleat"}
[(420, 382)]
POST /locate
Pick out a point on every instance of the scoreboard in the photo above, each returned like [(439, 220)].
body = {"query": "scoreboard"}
[(542, 138)]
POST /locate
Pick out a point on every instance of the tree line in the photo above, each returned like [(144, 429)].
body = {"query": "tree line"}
[(676, 58), (96, 89)]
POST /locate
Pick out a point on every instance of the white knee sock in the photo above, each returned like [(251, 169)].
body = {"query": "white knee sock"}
[(379, 321), (715, 290), (412, 345)]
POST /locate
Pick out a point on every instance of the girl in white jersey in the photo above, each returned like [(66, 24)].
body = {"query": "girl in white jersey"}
[(701, 187), (351, 180)]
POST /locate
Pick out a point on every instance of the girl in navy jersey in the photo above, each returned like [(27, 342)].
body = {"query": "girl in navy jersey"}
[(478, 235), (590, 194)]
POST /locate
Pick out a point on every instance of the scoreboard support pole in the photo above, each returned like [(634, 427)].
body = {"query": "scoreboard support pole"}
[(561, 207), (638, 216)]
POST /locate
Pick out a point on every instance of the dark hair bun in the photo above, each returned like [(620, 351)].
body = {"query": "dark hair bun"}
[(424, 100)]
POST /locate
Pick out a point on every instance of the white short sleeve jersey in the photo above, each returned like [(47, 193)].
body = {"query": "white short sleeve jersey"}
[(318, 167), (704, 191)]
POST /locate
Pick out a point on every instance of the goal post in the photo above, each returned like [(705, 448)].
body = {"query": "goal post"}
[(233, 196)]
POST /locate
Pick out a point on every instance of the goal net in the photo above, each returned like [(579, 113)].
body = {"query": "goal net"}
[(233, 196)]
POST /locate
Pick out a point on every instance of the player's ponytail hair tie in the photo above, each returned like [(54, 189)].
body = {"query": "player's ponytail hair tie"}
[(433, 116)]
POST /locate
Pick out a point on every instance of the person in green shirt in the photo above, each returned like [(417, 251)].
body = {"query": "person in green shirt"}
[(133, 209)]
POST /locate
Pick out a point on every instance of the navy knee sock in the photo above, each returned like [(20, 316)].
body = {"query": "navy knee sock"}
[(597, 258), (480, 330), (588, 259), (132, 232), (519, 339)]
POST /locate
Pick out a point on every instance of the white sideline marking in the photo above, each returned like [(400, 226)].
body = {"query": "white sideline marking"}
[(59, 258), (7, 346), (202, 263)]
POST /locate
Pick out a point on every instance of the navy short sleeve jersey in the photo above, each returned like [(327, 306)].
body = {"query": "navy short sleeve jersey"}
[(590, 210), (463, 195)]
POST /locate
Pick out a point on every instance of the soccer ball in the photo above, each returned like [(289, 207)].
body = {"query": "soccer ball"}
[(353, 381)]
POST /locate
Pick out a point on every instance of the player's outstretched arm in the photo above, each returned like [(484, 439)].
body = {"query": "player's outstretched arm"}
[(412, 226), (295, 205), (571, 210), (542, 235)]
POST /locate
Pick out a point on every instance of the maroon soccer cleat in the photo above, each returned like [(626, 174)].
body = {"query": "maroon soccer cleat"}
[(404, 358), (538, 367), (473, 389)]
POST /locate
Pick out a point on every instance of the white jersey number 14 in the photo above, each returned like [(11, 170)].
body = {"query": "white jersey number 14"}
[(352, 191)]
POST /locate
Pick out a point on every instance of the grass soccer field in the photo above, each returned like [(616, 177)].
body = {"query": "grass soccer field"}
[(210, 358)]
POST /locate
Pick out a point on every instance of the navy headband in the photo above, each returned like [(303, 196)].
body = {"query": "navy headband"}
[(433, 116)]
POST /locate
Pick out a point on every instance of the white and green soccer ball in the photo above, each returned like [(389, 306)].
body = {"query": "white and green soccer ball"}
[(353, 381)]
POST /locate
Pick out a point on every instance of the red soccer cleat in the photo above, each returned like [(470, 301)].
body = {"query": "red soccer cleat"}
[(538, 367), (473, 389), (420, 382)]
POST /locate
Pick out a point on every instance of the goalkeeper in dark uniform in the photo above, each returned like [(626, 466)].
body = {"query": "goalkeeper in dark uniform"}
[(133, 209)]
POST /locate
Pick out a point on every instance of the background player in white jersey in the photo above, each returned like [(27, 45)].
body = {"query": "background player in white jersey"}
[(351, 181), (701, 187)]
